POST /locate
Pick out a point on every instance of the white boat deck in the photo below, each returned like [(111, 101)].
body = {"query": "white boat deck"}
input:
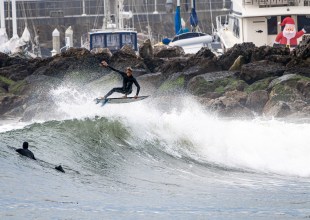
[(228, 39)]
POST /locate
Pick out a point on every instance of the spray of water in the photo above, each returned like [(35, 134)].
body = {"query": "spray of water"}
[(188, 130), (260, 145)]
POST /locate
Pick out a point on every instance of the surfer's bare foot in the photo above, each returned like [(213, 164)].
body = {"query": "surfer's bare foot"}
[(124, 97)]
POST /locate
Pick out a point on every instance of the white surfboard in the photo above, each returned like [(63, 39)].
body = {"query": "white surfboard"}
[(119, 100)]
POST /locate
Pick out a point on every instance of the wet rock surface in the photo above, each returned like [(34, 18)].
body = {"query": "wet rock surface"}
[(261, 81)]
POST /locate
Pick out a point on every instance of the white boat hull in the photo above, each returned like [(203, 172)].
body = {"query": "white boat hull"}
[(193, 45)]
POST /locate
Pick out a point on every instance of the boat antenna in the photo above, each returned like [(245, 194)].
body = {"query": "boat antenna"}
[(105, 20), (119, 14), (148, 27), (211, 14)]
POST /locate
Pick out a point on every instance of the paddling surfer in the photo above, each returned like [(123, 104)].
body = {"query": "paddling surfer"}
[(25, 152), (128, 80)]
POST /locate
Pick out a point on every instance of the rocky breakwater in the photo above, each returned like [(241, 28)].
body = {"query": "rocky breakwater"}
[(245, 81)]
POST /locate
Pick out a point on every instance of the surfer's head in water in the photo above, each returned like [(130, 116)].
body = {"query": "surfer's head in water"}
[(25, 145)]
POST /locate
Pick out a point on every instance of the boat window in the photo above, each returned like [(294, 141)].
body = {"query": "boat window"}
[(97, 41), (113, 41), (128, 39), (236, 28), (302, 21), (272, 25), (187, 35)]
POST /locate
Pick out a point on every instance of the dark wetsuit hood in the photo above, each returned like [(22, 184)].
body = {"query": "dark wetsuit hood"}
[(25, 145)]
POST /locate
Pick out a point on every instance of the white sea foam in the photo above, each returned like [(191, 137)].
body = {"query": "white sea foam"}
[(8, 125), (261, 145)]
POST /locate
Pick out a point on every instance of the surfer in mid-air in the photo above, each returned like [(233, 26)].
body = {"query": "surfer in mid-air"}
[(128, 80)]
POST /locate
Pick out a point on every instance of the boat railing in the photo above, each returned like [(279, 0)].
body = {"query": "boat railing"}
[(276, 3), (114, 29)]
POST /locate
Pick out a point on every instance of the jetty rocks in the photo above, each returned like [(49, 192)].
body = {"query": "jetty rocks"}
[(246, 81)]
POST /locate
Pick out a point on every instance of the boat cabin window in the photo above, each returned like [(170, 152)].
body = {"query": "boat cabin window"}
[(97, 41), (128, 39), (302, 21), (113, 41), (187, 35), (272, 25)]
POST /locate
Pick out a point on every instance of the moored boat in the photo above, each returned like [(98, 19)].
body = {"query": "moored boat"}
[(191, 41), (257, 21), (113, 34)]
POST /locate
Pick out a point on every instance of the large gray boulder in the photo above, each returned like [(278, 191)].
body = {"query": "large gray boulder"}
[(232, 104), (288, 95), (275, 54), (151, 79), (228, 58), (278, 110), (257, 100), (9, 102), (146, 50), (214, 84), (255, 71), (303, 49), (164, 51)]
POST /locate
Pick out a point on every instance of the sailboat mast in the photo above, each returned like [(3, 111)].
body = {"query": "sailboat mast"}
[(2, 14), (120, 10), (3, 34), (83, 5), (104, 15), (211, 12), (107, 20), (177, 18), (14, 19)]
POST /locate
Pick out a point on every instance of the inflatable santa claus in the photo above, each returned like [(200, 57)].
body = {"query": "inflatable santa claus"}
[(288, 37)]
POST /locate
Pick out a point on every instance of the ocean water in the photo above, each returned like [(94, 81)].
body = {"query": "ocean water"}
[(154, 159)]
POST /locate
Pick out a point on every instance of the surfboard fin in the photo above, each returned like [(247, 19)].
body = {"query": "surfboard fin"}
[(104, 102)]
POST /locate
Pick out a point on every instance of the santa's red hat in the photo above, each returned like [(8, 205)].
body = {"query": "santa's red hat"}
[(287, 20)]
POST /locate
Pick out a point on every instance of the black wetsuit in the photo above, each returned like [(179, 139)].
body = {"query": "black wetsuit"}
[(26, 152), (127, 84)]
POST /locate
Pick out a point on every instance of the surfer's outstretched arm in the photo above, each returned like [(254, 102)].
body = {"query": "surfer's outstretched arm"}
[(105, 64)]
